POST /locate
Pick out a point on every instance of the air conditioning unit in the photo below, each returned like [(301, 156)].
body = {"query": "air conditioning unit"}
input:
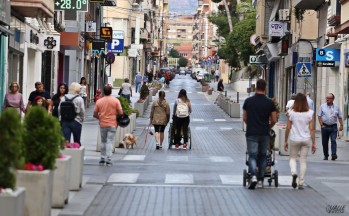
[(284, 15)]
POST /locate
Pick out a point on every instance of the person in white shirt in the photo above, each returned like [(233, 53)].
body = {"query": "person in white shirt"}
[(310, 101), (290, 103), (301, 131), (126, 89)]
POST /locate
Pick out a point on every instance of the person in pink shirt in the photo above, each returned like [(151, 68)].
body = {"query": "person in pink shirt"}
[(13, 99), (106, 110)]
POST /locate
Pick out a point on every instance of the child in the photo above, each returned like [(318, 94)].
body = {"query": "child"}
[(39, 101), (98, 95)]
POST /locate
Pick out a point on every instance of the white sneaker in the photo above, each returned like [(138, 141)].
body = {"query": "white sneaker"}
[(253, 183), (260, 184)]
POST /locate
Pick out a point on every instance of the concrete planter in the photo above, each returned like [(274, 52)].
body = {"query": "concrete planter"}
[(77, 156), (61, 182), (204, 88), (140, 108), (13, 204), (38, 185), (234, 110), (282, 133)]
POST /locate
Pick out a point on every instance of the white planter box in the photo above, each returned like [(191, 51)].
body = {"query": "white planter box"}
[(140, 108), (61, 182), (38, 185), (282, 133), (234, 110), (77, 162), (13, 204)]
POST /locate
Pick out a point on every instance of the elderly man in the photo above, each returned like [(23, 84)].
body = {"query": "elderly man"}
[(328, 115)]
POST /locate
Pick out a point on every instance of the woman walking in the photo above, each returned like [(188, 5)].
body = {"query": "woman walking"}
[(14, 99), (181, 119), (301, 131), (159, 118), (126, 89), (56, 99), (84, 90)]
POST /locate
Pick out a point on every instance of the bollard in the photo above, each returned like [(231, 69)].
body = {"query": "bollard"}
[(225, 93), (237, 97)]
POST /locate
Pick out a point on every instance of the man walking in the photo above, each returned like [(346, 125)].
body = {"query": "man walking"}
[(138, 81), (328, 115), (106, 110), (259, 114), (39, 86)]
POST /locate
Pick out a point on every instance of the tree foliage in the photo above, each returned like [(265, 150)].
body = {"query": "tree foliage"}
[(174, 53), (182, 62), (11, 147)]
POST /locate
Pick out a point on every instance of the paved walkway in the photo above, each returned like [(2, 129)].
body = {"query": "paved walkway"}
[(206, 180)]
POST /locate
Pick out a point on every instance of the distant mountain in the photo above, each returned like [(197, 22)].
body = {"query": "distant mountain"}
[(182, 7)]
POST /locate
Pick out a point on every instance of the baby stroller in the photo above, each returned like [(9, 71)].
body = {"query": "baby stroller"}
[(270, 163), (171, 133)]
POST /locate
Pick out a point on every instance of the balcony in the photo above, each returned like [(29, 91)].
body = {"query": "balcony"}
[(334, 20), (31, 8), (307, 4), (342, 28)]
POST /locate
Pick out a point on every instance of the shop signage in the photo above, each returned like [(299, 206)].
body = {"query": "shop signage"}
[(50, 42), (327, 54), (325, 63), (98, 46), (90, 26), (106, 33), (276, 29), (33, 38), (74, 5)]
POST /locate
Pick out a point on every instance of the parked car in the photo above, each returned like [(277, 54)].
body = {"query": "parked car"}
[(182, 72), (200, 74)]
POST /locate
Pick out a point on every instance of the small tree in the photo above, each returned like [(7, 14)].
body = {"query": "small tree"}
[(182, 62), (174, 53), (11, 147), (144, 91), (42, 138)]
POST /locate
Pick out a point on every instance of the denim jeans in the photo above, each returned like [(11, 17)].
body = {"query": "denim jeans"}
[(138, 87), (128, 96), (107, 139), (69, 127), (326, 133), (257, 147)]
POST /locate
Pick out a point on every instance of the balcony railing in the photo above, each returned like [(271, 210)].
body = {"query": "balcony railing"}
[(31, 8), (334, 20)]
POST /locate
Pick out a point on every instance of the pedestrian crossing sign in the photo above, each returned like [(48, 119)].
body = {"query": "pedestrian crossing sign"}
[(304, 69)]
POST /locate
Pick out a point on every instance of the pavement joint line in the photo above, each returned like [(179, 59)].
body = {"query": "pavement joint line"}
[(200, 186)]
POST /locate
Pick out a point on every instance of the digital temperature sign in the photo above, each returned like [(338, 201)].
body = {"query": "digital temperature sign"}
[(76, 5)]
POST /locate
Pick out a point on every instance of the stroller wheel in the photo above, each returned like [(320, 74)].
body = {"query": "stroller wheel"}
[(276, 178), (244, 177)]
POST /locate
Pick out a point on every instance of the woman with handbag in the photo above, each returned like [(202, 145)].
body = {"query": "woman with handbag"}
[(159, 117), (126, 89)]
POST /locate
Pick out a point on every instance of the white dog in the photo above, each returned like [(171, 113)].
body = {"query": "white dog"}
[(128, 141)]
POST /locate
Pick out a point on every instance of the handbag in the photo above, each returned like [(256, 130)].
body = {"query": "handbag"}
[(120, 91)]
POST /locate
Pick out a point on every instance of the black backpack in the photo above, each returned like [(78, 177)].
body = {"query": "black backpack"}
[(68, 109)]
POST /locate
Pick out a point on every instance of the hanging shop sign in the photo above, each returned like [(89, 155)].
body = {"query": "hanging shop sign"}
[(106, 33), (90, 26), (73, 5), (276, 29), (327, 57)]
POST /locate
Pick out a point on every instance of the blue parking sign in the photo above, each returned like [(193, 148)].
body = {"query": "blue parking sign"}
[(116, 45)]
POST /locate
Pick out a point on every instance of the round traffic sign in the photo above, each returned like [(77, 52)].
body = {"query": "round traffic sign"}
[(110, 58)]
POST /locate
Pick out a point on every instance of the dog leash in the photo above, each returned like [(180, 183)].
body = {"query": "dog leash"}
[(148, 132)]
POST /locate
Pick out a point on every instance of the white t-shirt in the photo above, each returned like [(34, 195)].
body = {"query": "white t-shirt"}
[(83, 91), (126, 88), (289, 104), (300, 125)]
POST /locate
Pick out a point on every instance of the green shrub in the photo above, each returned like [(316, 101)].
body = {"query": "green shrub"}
[(11, 147), (42, 138), (125, 104), (144, 91)]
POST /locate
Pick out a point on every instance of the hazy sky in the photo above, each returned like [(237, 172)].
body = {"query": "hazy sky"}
[(183, 6)]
